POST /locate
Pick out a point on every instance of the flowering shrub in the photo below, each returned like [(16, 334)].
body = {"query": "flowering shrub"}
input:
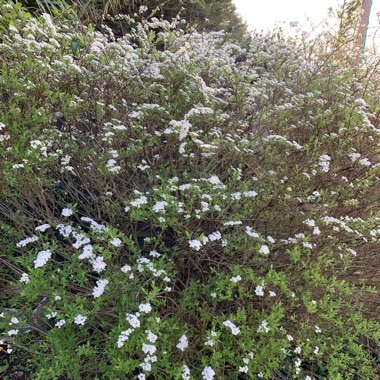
[(174, 206)]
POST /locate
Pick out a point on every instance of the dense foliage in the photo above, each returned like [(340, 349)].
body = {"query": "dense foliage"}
[(174, 206), (204, 15)]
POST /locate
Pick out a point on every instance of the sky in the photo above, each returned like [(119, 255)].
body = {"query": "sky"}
[(263, 14)]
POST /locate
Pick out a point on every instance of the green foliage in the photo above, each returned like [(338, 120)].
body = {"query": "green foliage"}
[(174, 206)]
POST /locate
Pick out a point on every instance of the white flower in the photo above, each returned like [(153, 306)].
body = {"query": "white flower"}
[(263, 327), (272, 293), (60, 323), (365, 162), (231, 222), (354, 156), (95, 226), (14, 321), (264, 249), (214, 236), (26, 241), (234, 329), (316, 350), (148, 348), (25, 278), (67, 212), (259, 290), (151, 336), (249, 232), (87, 253), (133, 320), (51, 315), (185, 373), (243, 369), (80, 319), (146, 366), (65, 230), (134, 114), (99, 288), (182, 148), (195, 244), (236, 278), (210, 341), (81, 240), (12, 332), (208, 373), (123, 337), (317, 329), (116, 242), (324, 163), (290, 338), (250, 193), (214, 180), (139, 201), (183, 343), (154, 254), (42, 228), (126, 268), (145, 308), (309, 222), (98, 264), (160, 206), (42, 258), (297, 350)]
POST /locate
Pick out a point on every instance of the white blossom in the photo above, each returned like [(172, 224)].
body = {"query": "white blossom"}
[(80, 319), (236, 278), (42, 258), (87, 252), (133, 320), (145, 308), (234, 329), (60, 323), (264, 249), (42, 227), (98, 264), (99, 288), (25, 278), (249, 232), (208, 373), (67, 212), (160, 206), (183, 343), (259, 290), (195, 244), (116, 242), (26, 241), (185, 373), (148, 348)]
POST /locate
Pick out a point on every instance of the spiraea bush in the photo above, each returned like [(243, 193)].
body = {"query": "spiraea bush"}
[(175, 206)]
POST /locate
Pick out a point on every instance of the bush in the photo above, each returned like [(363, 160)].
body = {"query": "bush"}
[(174, 206)]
